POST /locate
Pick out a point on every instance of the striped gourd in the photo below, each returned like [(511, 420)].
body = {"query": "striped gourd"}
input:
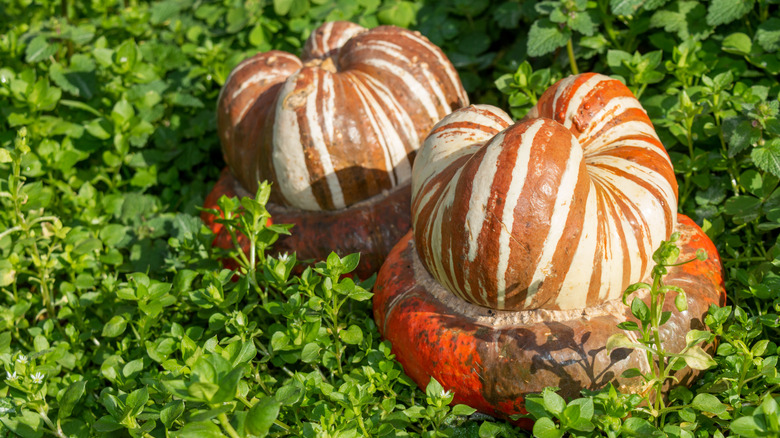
[(342, 123), (561, 210)]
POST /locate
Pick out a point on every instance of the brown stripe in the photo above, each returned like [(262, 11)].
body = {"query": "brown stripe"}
[(489, 114), (362, 170), (455, 126), (304, 86), (559, 114), (550, 151)]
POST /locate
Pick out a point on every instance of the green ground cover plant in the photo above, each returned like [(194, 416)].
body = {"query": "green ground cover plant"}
[(117, 319)]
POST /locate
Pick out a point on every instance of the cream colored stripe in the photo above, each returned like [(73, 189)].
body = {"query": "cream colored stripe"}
[(318, 142), (574, 289), (288, 156), (443, 148), (632, 128), (480, 193), (448, 196), (397, 111), (383, 130), (442, 61), (330, 105), (519, 174), (327, 28), (631, 190), (437, 90), (260, 76), (416, 90), (563, 86)]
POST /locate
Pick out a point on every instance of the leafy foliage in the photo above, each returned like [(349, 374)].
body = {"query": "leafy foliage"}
[(116, 318)]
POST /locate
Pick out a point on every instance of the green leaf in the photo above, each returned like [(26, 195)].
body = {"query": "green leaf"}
[(681, 302), (228, 385), (310, 352), (490, 430), (463, 410), (350, 262), (353, 335), (545, 428), (750, 427), (635, 426), (619, 340), (683, 18), (770, 407), (546, 36), (760, 348), (114, 327), (171, 412), (631, 373), (434, 389), (743, 208), (768, 35), (726, 11), (586, 407), (106, 424), (698, 359), (164, 11), (39, 49), (553, 402), (695, 336), (27, 425), (737, 43), (200, 429), (122, 112), (401, 14), (583, 23), (135, 402), (767, 157), (640, 310), (625, 7), (262, 415), (69, 399), (282, 7), (708, 403), (7, 273)]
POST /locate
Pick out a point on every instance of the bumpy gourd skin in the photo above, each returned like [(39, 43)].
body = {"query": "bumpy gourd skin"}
[(341, 124), (491, 359), (562, 210)]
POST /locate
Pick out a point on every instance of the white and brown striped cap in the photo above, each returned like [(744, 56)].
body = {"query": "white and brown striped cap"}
[(341, 125), (562, 210)]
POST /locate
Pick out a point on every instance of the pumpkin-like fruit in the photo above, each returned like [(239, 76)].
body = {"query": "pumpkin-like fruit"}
[(524, 237), (343, 123), (336, 132)]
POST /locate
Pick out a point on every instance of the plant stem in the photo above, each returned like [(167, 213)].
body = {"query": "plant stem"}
[(55, 428), (359, 416), (572, 60), (641, 90), (223, 420)]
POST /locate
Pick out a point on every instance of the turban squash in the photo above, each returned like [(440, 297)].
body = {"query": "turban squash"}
[(336, 132), (525, 236)]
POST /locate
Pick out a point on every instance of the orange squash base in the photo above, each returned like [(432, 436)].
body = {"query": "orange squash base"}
[(491, 359), (370, 227)]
